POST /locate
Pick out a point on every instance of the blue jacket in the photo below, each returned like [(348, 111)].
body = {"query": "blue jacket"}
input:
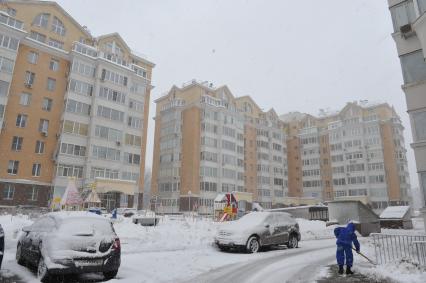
[(346, 236)]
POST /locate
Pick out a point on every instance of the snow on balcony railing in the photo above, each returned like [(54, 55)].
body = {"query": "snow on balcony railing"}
[(85, 49), (7, 20)]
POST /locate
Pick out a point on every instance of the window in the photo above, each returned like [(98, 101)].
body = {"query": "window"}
[(402, 14), (17, 143), (54, 65), (1, 110), (132, 158), (4, 87), (25, 99), (41, 20), (51, 84), (6, 65), (47, 104), (108, 133), (78, 107), (208, 187), (38, 36), (112, 95), (43, 126), (65, 170), (110, 114), (105, 153), (208, 156), (113, 77), (13, 167), (103, 173), (21, 120), (72, 127), (58, 27), (133, 140), (39, 147), (11, 12), (32, 193), (134, 122), (9, 42), (32, 57), (29, 78), (413, 67), (419, 121), (83, 69), (8, 191), (36, 169), (73, 149), (81, 87), (55, 43), (136, 105)]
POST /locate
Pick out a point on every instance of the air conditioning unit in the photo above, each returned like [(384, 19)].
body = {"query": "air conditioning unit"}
[(118, 143), (29, 85), (58, 136), (406, 30), (44, 133)]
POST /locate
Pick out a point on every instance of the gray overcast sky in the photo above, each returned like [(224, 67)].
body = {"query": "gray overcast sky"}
[(290, 55)]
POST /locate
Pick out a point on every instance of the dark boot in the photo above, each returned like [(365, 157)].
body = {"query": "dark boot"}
[(348, 270), (340, 269)]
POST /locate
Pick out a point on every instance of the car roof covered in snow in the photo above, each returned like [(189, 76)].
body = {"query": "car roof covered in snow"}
[(64, 215), (394, 212)]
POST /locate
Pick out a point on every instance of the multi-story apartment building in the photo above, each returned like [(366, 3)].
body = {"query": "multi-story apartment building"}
[(356, 153), (265, 153), (208, 142), (409, 23), (71, 105)]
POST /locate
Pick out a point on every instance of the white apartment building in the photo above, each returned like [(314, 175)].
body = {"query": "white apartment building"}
[(409, 23)]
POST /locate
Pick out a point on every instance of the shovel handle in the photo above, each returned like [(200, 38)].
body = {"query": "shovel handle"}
[(364, 256)]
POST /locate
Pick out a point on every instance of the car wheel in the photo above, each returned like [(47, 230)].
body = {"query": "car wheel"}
[(293, 242), (253, 245), (19, 259), (42, 271), (110, 274)]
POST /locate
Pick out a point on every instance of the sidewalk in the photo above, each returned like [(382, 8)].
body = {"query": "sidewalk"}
[(333, 277)]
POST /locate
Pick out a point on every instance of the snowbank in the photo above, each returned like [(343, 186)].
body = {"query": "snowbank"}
[(315, 229), (169, 235)]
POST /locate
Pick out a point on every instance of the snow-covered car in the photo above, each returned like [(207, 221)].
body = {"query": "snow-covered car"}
[(70, 243), (259, 229)]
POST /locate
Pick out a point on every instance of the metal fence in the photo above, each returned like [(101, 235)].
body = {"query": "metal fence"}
[(396, 247)]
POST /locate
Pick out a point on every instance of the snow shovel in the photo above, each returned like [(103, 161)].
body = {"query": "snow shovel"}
[(364, 256)]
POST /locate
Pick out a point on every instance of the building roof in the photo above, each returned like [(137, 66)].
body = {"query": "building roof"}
[(395, 212), (56, 5)]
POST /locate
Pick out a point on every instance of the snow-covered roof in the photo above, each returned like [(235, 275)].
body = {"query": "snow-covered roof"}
[(394, 212)]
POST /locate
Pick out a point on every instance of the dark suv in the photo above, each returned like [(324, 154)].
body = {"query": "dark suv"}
[(70, 243)]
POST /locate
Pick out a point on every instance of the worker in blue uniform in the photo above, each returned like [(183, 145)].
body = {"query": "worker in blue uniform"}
[(345, 237)]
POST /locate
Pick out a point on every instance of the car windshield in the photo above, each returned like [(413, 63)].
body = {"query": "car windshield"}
[(85, 227), (253, 218)]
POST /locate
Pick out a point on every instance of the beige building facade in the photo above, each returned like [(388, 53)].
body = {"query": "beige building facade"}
[(71, 105), (208, 142)]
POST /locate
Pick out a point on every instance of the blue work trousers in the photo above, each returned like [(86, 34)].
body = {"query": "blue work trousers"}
[(342, 253)]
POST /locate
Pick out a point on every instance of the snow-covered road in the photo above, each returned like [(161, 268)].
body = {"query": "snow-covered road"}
[(298, 265)]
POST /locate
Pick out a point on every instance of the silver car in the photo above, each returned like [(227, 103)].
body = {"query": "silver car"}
[(259, 229)]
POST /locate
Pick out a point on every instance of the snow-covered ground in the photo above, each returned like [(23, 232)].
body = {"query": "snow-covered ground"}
[(179, 249)]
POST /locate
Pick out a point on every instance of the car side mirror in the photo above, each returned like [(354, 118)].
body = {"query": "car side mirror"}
[(26, 229)]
